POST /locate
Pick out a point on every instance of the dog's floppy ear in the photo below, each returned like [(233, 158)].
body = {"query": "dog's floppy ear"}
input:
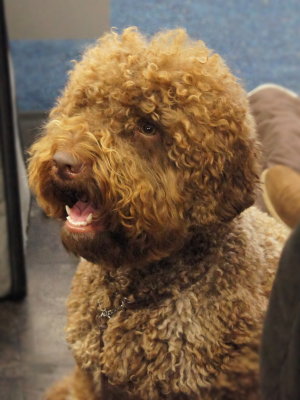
[(224, 176)]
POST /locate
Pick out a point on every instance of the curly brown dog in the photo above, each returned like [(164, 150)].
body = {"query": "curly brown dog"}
[(152, 149)]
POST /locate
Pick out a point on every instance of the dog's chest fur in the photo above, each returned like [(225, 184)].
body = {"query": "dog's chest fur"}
[(189, 316)]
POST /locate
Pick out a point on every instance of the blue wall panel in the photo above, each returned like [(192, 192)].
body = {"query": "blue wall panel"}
[(259, 39)]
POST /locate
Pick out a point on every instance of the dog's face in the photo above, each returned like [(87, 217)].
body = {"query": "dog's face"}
[(148, 140)]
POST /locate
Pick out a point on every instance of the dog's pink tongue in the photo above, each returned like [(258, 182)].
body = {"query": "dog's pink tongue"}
[(81, 210)]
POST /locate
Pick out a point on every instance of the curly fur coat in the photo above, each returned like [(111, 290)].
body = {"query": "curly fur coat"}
[(153, 149)]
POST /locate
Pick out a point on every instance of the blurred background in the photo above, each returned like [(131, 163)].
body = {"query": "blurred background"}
[(259, 40)]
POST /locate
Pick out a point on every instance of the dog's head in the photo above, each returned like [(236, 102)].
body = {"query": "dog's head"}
[(149, 140)]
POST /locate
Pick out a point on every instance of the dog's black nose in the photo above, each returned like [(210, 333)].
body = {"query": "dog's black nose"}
[(66, 165)]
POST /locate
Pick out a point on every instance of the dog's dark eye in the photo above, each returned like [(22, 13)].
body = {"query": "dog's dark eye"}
[(148, 128)]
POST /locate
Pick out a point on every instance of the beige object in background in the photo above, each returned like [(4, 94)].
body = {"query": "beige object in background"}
[(56, 19), (276, 110), (281, 194)]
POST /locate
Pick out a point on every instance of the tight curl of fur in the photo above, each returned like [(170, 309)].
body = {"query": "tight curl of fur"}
[(169, 151)]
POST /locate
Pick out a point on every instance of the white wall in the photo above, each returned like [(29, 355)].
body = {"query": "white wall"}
[(56, 19)]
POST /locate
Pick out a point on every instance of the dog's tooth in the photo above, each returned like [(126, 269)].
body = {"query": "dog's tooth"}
[(89, 218), (81, 223), (68, 210), (71, 220), (76, 223)]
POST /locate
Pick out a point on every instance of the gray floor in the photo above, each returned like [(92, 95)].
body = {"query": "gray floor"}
[(33, 353)]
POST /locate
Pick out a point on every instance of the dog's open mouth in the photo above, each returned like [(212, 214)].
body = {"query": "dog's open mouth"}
[(81, 214), (83, 217)]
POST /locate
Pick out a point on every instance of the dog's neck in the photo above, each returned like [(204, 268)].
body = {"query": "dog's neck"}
[(149, 284)]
